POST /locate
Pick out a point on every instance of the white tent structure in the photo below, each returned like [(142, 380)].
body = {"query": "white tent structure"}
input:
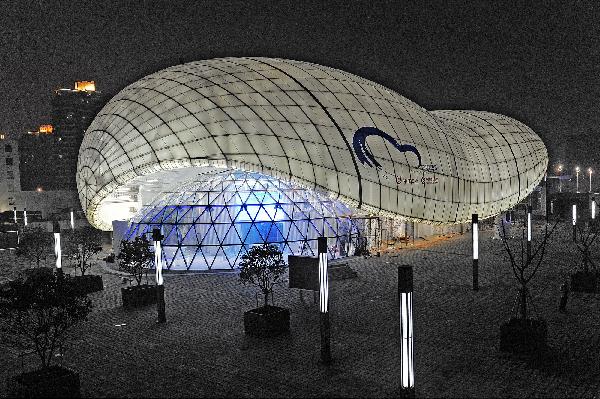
[(322, 129)]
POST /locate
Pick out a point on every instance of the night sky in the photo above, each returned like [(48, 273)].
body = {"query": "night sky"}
[(536, 62)]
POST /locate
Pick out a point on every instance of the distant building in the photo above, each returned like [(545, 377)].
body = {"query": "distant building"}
[(9, 172), (72, 112), (36, 153)]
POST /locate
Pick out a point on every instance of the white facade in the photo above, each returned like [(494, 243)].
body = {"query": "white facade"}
[(308, 124)]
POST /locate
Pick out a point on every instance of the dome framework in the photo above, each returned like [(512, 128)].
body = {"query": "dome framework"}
[(210, 223)]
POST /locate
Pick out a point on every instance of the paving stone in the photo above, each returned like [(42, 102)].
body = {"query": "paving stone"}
[(202, 351)]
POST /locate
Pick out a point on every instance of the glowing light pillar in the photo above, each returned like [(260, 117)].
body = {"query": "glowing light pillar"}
[(324, 301), (57, 249), (593, 208), (72, 220), (160, 288), (405, 290), (25, 216), (528, 232), (15, 214), (475, 252), (575, 223)]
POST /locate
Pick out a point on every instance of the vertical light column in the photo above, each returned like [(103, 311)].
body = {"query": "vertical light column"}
[(57, 248), (160, 288), (593, 208), (25, 216), (577, 180), (528, 232), (575, 223), (559, 178), (72, 220), (590, 173), (475, 230), (15, 214), (324, 301), (405, 290)]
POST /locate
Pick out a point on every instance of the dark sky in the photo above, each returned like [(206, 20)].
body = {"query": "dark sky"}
[(534, 61)]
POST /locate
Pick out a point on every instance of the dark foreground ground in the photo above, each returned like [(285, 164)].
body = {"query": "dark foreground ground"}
[(202, 350)]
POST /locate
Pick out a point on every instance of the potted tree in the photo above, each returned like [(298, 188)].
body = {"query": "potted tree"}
[(263, 266), (35, 245), (81, 246), (36, 314), (135, 258), (524, 333), (586, 280)]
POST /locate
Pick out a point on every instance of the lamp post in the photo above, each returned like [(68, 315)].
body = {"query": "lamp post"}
[(57, 248), (577, 169), (72, 220), (528, 232), (405, 290), (160, 288), (560, 178), (324, 301), (574, 223), (475, 230), (590, 173)]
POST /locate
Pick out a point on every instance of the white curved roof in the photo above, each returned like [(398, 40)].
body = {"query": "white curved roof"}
[(302, 122)]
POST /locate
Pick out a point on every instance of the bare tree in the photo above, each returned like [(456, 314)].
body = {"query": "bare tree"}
[(82, 245), (586, 237), (525, 267)]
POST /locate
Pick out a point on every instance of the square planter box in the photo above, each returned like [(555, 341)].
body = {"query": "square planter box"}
[(88, 284), (267, 321), (523, 335), (583, 281), (53, 382), (138, 295)]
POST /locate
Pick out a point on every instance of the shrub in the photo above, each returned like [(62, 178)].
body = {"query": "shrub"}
[(262, 266), (37, 311), (35, 244), (136, 258)]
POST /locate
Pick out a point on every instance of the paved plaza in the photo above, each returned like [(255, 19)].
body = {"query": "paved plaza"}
[(202, 350)]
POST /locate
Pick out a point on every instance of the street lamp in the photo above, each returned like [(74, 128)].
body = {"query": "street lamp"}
[(560, 167), (324, 301), (72, 220), (590, 173), (160, 288), (405, 291), (475, 230), (577, 169), (57, 249), (574, 223), (529, 232)]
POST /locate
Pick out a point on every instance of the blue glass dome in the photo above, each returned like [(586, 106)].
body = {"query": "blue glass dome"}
[(209, 223)]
